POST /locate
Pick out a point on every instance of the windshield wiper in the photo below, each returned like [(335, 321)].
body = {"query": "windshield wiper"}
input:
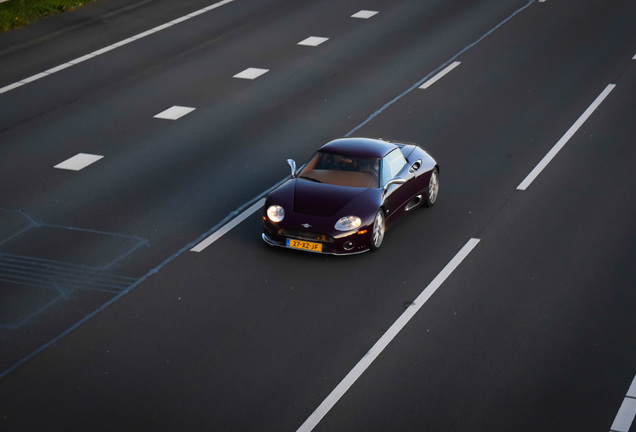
[(310, 178)]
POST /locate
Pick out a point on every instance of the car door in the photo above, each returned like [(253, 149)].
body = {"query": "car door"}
[(396, 196)]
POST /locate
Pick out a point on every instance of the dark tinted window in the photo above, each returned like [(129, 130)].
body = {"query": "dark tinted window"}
[(392, 164), (342, 170)]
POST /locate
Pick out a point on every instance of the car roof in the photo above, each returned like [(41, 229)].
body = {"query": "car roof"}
[(359, 147)]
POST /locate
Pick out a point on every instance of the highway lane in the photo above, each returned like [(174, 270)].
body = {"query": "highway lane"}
[(163, 183), (535, 331), (127, 100), (273, 342)]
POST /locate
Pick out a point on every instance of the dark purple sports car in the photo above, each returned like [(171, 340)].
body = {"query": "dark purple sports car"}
[(348, 194)]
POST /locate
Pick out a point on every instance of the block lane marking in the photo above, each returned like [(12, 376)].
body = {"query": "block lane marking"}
[(364, 14), (229, 226), (174, 113), (565, 138), (79, 60), (625, 416), (627, 411), (382, 343), (632, 389), (313, 41), (437, 77), (251, 73), (78, 162)]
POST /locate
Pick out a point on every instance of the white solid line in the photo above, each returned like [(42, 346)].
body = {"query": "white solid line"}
[(79, 60), (163, 27), (11, 87), (82, 59), (634, 58), (565, 138), (443, 72), (102, 51), (382, 343), (121, 43), (35, 77), (197, 13), (625, 416), (180, 20), (229, 226), (78, 162), (59, 68), (144, 34)]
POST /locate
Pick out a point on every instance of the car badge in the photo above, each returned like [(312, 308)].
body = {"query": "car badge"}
[(306, 225)]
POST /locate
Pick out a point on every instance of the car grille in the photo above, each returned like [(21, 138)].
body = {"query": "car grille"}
[(306, 235)]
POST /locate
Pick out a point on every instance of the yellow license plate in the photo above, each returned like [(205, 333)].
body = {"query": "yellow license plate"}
[(314, 247)]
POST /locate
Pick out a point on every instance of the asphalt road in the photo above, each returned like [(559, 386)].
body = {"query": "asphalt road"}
[(108, 320)]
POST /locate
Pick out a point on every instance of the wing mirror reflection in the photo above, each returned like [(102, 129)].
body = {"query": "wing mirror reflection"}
[(292, 165)]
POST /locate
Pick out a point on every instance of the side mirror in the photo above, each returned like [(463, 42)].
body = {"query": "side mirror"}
[(398, 181), (416, 165), (292, 165)]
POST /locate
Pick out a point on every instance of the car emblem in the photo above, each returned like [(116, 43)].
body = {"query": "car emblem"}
[(306, 225)]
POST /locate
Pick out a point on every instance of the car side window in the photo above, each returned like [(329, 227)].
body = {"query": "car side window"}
[(392, 164)]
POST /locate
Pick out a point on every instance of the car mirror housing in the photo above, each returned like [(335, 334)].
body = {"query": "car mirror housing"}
[(292, 165), (416, 165)]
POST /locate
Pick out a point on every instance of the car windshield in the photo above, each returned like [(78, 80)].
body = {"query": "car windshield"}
[(342, 170)]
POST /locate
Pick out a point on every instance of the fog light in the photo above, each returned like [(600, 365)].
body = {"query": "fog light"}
[(348, 245)]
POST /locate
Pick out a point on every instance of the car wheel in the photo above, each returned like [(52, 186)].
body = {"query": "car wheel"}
[(433, 188), (379, 227)]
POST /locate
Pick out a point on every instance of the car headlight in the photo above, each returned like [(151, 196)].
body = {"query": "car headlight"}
[(276, 213), (348, 223)]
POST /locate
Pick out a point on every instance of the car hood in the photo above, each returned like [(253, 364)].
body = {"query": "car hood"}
[(322, 199)]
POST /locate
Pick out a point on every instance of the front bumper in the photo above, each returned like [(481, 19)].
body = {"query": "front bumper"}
[(344, 244)]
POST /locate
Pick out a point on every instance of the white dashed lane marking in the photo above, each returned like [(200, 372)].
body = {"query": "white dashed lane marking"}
[(386, 338), (78, 162), (229, 226), (364, 14), (437, 77), (565, 138), (627, 412), (174, 113), (251, 73), (313, 41)]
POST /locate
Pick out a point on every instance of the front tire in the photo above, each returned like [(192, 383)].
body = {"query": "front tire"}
[(433, 188), (379, 228)]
